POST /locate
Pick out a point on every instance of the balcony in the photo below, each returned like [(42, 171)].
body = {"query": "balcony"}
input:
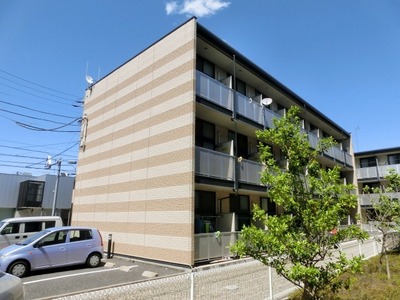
[(211, 245), (214, 91), (219, 165), (221, 95), (367, 200), (214, 164), (250, 171), (377, 172)]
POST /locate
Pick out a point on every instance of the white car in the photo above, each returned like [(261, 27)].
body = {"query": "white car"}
[(11, 287)]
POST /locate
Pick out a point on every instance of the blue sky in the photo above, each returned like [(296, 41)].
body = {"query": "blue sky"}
[(341, 56)]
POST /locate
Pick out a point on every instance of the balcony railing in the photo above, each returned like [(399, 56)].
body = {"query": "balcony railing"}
[(250, 171), (250, 109), (214, 164), (376, 172), (214, 91), (220, 94), (370, 199), (211, 245), (219, 165)]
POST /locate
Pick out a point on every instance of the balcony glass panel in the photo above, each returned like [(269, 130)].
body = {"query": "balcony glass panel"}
[(384, 170), (349, 159), (208, 246), (269, 117), (364, 173), (214, 91), (250, 109), (214, 164), (371, 199), (249, 171), (313, 140)]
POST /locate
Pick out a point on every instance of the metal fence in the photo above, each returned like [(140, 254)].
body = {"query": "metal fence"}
[(236, 279)]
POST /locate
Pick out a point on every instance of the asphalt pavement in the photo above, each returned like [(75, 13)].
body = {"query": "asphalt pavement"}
[(115, 271)]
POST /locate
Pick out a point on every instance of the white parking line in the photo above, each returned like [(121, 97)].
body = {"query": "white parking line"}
[(71, 275)]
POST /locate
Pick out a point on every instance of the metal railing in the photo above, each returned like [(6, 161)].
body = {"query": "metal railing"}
[(370, 199), (215, 164), (210, 163), (214, 91), (244, 279), (214, 245), (220, 94), (250, 171), (376, 171)]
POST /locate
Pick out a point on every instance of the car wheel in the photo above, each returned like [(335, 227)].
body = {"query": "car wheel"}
[(18, 268), (93, 260)]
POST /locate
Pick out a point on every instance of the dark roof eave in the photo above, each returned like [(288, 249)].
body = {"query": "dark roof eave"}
[(377, 151)]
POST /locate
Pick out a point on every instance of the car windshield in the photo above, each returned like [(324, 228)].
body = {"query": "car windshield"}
[(33, 237)]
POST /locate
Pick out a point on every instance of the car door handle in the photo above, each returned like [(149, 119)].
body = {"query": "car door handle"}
[(25, 236), (62, 249), (17, 237)]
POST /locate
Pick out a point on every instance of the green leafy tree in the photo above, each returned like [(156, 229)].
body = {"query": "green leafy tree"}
[(298, 243), (386, 213)]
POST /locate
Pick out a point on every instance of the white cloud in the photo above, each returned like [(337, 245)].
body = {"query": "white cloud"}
[(198, 8)]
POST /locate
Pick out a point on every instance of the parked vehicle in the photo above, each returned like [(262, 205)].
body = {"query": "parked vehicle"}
[(11, 287), (14, 230), (51, 248)]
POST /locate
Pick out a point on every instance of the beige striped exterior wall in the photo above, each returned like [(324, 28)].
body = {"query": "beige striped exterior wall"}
[(136, 172)]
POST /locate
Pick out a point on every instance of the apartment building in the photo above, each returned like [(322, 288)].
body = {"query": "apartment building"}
[(372, 168), (168, 165)]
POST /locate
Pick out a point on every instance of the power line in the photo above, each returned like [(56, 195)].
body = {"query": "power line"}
[(42, 86), (37, 90), (36, 110), (40, 119), (52, 100), (56, 129)]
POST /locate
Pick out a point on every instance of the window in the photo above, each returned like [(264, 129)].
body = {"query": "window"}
[(268, 205), (205, 66), (80, 235), (240, 86), (205, 134), (242, 144), (205, 212), (394, 159), (33, 226), (367, 162), (30, 194), (11, 228), (205, 203), (49, 224), (313, 128), (54, 238), (240, 205)]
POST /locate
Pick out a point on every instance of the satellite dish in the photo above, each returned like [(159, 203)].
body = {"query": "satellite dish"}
[(266, 101), (89, 79)]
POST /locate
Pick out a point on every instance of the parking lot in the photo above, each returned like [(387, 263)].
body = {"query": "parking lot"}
[(112, 272)]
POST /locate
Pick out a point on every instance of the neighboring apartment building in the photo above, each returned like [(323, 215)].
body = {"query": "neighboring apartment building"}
[(24, 195), (168, 161), (372, 167)]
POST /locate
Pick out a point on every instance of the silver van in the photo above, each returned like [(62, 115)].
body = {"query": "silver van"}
[(13, 230)]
